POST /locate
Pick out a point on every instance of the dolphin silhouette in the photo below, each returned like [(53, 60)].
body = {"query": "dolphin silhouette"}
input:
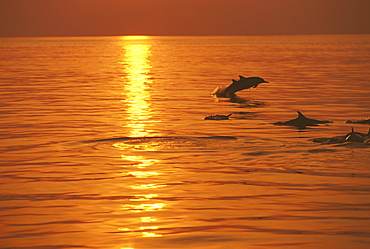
[(359, 121), (302, 121), (218, 117), (355, 136), (367, 137), (238, 85), (352, 136), (244, 83)]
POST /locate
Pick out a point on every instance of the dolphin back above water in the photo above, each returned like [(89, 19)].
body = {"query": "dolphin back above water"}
[(302, 121), (353, 136), (218, 117), (238, 85), (359, 137), (359, 121)]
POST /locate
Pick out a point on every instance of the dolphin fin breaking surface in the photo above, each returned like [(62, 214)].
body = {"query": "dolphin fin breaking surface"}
[(302, 121), (353, 136), (218, 117)]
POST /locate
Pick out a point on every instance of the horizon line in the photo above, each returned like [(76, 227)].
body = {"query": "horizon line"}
[(142, 35)]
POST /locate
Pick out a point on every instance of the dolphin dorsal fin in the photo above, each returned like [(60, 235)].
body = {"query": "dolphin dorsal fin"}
[(241, 77), (353, 130), (300, 115)]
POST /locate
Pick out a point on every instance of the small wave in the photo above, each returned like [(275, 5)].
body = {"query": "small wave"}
[(125, 139), (174, 138), (321, 150), (167, 142)]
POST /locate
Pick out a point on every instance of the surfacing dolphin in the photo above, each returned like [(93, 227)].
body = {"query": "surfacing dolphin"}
[(218, 117), (355, 136), (302, 121), (237, 85), (359, 121), (352, 136)]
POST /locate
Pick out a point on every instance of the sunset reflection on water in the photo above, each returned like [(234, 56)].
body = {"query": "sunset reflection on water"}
[(105, 145), (139, 114), (136, 88), (145, 201)]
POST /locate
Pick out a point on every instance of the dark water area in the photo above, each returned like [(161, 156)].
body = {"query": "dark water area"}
[(104, 143)]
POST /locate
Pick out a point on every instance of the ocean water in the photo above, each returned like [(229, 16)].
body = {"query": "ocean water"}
[(104, 143)]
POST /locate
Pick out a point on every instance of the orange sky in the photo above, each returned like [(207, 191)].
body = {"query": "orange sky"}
[(182, 17)]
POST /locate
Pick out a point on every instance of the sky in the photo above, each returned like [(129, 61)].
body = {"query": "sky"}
[(35, 18)]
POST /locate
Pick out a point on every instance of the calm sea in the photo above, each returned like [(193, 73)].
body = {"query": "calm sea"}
[(104, 143)]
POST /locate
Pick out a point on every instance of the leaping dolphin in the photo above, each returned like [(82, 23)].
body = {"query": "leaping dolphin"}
[(302, 121), (238, 85)]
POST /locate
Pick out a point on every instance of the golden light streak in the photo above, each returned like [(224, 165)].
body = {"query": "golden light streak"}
[(148, 219), (137, 100), (137, 67), (147, 186), (141, 174), (151, 235), (144, 197), (145, 228), (144, 207), (141, 143), (139, 161)]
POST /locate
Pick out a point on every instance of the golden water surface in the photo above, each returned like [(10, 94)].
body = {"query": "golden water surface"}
[(104, 143)]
